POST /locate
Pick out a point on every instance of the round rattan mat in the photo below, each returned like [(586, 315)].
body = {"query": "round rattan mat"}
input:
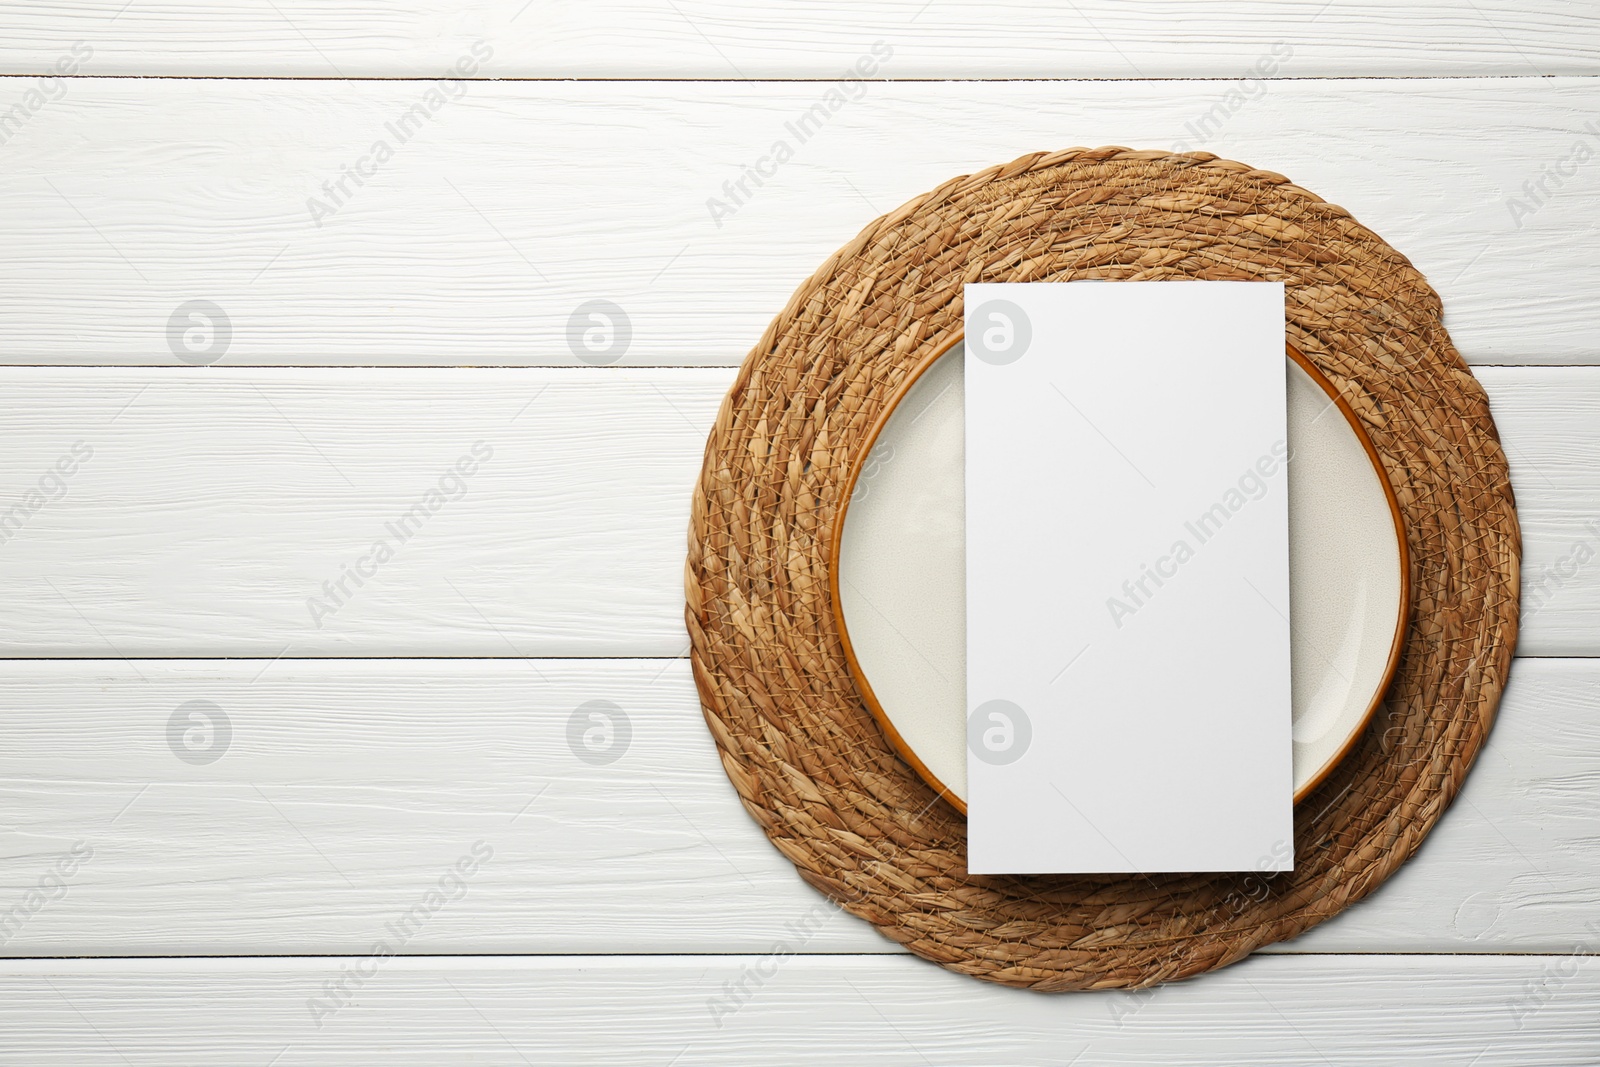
[(812, 765)]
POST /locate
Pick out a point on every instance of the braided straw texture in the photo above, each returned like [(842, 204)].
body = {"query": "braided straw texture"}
[(808, 760)]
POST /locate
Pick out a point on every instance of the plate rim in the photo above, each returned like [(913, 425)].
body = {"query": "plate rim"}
[(875, 707)]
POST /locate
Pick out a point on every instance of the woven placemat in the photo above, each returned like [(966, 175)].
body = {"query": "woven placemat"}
[(811, 764)]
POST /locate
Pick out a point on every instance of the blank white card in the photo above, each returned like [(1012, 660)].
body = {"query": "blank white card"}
[(1127, 578)]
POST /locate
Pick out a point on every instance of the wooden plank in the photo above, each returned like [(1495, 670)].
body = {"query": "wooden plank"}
[(497, 213), (1548, 427), (298, 513), (809, 39), (342, 791), (1486, 1011), (217, 502), (238, 807)]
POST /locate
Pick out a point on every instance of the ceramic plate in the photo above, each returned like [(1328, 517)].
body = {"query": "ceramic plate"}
[(899, 576)]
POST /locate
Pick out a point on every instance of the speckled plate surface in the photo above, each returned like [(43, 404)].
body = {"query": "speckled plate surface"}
[(901, 575)]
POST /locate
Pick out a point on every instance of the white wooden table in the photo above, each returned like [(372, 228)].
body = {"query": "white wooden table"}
[(388, 766)]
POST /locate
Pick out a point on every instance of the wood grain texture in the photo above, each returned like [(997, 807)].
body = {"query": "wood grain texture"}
[(810, 39), (1489, 1012), (1553, 471), (506, 209), (219, 507), (217, 502), (343, 791)]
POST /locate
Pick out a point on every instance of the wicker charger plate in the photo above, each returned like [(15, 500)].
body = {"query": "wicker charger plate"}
[(806, 756)]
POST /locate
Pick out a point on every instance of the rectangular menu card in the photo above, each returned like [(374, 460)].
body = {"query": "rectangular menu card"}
[(1127, 578)]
